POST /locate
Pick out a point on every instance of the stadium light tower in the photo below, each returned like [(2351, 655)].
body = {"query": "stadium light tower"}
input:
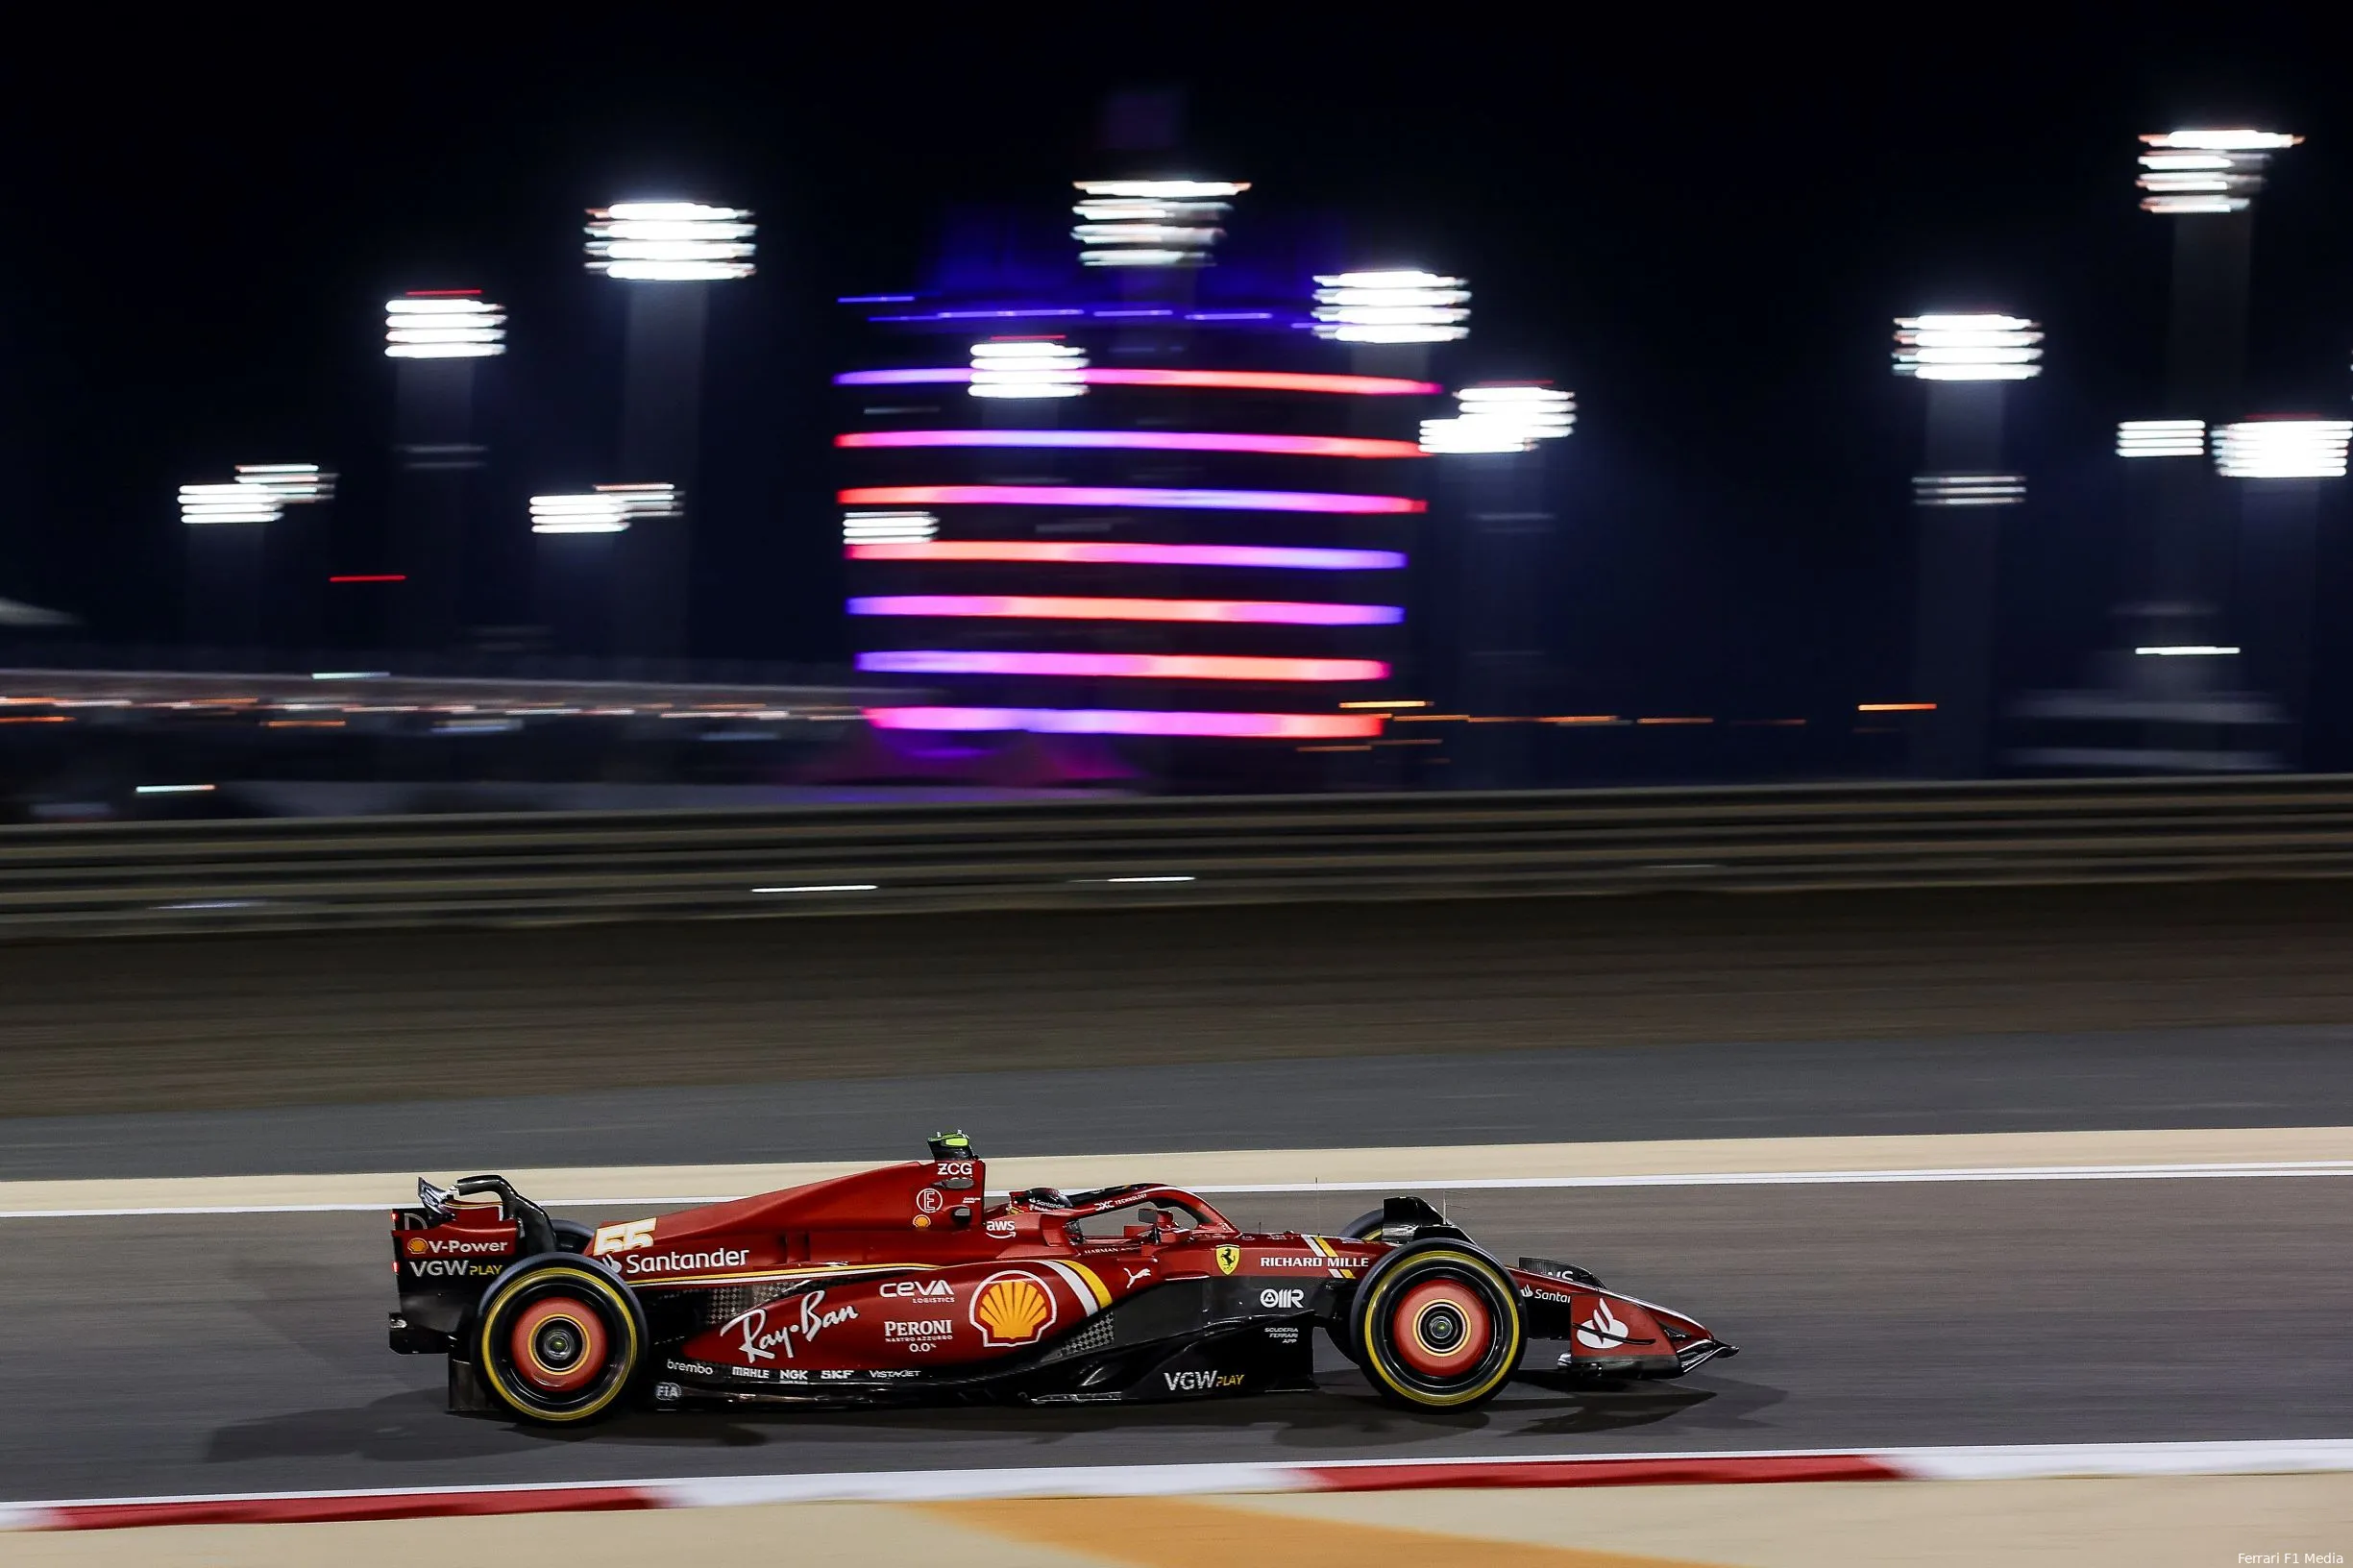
[(669, 252), (1485, 625), (2278, 466), (2205, 182), (1151, 223), (247, 581), (434, 337), (1966, 361)]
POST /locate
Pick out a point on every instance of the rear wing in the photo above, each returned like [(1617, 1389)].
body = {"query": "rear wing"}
[(538, 1231)]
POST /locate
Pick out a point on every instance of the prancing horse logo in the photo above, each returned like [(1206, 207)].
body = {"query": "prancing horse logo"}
[(1229, 1259)]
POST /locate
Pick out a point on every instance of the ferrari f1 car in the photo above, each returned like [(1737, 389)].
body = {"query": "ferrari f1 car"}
[(907, 1285)]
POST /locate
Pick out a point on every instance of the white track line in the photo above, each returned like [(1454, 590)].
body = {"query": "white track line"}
[(2220, 1170)]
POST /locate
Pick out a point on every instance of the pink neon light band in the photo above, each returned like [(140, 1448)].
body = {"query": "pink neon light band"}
[(1091, 495), (1278, 557), (1042, 607), (1237, 380), (1137, 665), (1284, 446), (1282, 726)]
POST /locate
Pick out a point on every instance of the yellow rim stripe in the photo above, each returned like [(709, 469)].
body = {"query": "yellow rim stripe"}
[(487, 1365), (1372, 1358)]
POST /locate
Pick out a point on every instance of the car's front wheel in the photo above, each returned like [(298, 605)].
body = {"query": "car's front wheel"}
[(559, 1340), (1438, 1325)]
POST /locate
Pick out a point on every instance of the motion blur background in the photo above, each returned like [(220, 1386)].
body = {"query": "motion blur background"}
[(1706, 238), (1189, 753)]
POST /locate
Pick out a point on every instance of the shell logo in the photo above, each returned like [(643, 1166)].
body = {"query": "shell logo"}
[(416, 1244), (1012, 1308)]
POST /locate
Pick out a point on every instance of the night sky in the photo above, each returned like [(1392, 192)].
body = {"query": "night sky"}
[(1704, 234)]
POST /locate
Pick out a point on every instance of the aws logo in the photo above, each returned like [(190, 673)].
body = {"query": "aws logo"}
[(1012, 1308)]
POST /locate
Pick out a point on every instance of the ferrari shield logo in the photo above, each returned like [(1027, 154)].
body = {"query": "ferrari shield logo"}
[(1229, 1259)]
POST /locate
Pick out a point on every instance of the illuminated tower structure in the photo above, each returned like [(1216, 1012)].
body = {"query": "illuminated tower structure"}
[(1492, 610), (1115, 501), (1966, 361), (2172, 697), (2277, 465), (434, 338), (669, 253), (254, 560)]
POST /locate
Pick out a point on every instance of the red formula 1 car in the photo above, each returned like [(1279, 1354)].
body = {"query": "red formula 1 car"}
[(906, 1284)]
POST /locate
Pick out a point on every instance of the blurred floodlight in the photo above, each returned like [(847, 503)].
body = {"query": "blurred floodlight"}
[(2161, 438), (608, 509), (1027, 367), (2187, 650), (888, 527), (1968, 489), (1502, 419), (1391, 308), (454, 324), (2283, 449), (578, 514), (1987, 348), (294, 485), (1151, 223), (230, 502), (2223, 141), (2190, 171), (669, 242)]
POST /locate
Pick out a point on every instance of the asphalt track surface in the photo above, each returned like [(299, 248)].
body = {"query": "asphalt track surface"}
[(2259, 1077), (246, 1022), (246, 1352)]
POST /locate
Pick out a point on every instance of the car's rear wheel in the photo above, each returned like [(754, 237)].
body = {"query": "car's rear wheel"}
[(558, 1341), (1438, 1327)]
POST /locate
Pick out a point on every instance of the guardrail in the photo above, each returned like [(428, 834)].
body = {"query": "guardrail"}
[(281, 874)]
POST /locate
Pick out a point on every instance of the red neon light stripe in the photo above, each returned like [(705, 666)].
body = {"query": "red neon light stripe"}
[(1282, 446), (1119, 666), (372, 576), (1148, 497), (1054, 607), (1108, 553)]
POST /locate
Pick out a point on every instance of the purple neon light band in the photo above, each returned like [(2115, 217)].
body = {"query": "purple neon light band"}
[(1108, 552), (1135, 495), (1052, 607), (1288, 726), (1118, 666), (1243, 381), (1281, 446)]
